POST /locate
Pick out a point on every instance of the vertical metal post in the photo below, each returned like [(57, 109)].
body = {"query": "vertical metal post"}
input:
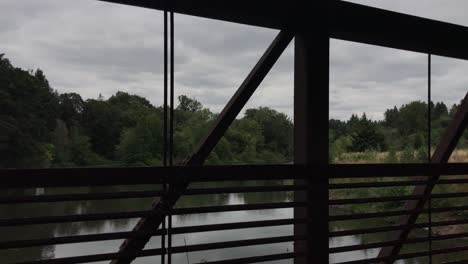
[(311, 114), (165, 145), (171, 127), (429, 156)]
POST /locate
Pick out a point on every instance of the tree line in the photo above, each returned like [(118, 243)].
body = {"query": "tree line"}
[(41, 128), (402, 134)]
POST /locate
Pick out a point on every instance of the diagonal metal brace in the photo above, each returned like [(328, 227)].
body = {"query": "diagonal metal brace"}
[(441, 155), (131, 246)]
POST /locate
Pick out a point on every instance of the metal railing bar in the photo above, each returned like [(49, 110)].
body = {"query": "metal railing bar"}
[(449, 195), (240, 207), (236, 243), (335, 250), (178, 249), (30, 178), (278, 188), (367, 200), (350, 171), (432, 253), (123, 235), (191, 210), (94, 257), (355, 185), (239, 225), (464, 261), (394, 198), (204, 191), (364, 231), (71, 218), (79, 197), (256, 259), (346, 217), (141, 194), (365, 261), (446, 209), (74, 239), (409, 255), (135, 214)]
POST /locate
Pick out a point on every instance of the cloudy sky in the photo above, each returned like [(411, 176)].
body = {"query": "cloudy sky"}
[(93, 48)]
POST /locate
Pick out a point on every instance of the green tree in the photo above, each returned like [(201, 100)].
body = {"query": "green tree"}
[(70, 108), (103, 125), (366, 137), (187, 104), (142, 144), (391, 117), (412, 118), (28, 111), (440, 110), (339, 147), (276, 130)]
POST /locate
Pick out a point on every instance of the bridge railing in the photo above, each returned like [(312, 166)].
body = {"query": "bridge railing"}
[(349, 188)]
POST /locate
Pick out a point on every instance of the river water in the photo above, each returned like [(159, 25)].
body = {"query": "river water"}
[(67, 229)]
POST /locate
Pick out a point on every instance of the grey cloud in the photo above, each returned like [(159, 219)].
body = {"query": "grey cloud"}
[(93, 47), (453, 11)]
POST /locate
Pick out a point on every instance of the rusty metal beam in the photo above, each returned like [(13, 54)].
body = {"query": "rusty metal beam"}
[(262, 13), (353, 22), (441, 155), (132, 246), (311, 115), (346, 21)]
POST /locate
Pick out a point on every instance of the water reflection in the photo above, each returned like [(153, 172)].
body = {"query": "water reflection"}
[(91, 227)]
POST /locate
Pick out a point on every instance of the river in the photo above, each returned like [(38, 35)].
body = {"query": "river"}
[(67, 229)]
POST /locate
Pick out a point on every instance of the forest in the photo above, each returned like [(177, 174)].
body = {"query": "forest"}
[(42, 128)]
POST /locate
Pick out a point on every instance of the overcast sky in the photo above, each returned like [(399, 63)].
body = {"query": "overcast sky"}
[(93, 48)]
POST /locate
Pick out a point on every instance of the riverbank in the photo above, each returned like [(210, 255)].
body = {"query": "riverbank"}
[(459, 155)]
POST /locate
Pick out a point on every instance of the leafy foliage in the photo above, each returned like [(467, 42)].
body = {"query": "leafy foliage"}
[(41, 128), (402, 135)]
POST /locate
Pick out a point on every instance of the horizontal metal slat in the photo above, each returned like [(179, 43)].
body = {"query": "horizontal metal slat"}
[(141, 194), (78, 197), (236, 243), (357, 216), (71, 218), (174, 250), (410, 255), (255, 259), (356, 185), (92, 258), (278, 188), (73, 239), (123, 235), (32, 178), (464, 261), (240, 207), (366, 200), (137, 214), (342, 249)]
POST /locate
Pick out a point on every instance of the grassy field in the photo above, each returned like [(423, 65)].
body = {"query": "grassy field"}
[(459, 155)]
